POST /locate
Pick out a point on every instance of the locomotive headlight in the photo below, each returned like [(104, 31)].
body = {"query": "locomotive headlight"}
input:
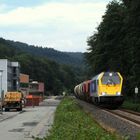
[(118, 93), (103, 93), (110, 74)]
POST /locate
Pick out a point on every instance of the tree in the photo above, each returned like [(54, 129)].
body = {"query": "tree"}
[(116, 44), (105, 46), (133, 41)]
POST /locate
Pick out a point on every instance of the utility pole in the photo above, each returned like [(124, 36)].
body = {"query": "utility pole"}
[(136, 93)]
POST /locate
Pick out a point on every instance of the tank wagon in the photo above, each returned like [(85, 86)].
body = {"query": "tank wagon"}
[(103, 89)]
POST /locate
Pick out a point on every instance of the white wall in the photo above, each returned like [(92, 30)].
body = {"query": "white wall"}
[(3, 66)]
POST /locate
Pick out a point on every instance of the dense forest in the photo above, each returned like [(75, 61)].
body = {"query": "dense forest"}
[(58, 77), (70, 58), (115, 46)]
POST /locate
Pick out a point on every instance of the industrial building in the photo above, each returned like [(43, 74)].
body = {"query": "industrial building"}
[(36, 93), (36, 88), (24, 84), (9, 75)]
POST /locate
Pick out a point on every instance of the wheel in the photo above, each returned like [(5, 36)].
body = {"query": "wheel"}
[(6, 109), (19, 109)]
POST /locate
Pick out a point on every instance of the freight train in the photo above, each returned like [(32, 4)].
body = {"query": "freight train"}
[(104, 89)]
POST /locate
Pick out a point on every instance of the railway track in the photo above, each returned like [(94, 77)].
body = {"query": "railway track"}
[(124, 122), (130, 111), (126, 114)]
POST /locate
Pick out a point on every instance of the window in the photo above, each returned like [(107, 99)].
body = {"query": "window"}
[(110, 78)]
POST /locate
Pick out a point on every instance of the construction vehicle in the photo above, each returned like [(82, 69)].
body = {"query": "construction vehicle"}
[(13, 100)]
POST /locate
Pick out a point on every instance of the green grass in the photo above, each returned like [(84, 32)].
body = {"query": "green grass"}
[(72, 123), (128, 104)]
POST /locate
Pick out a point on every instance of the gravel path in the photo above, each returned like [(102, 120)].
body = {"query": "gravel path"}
[(112, 122)]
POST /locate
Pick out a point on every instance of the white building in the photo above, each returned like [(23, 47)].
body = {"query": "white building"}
[(10, 75)]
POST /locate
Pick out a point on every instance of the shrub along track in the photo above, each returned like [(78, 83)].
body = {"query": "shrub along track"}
[(110, 120)]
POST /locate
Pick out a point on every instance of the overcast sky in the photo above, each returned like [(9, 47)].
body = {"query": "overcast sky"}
[(64, 25)]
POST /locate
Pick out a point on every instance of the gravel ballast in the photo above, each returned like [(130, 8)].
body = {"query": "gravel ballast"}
[(112, 122)]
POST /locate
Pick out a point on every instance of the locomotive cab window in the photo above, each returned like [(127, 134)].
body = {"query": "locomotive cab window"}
[(110, 78)]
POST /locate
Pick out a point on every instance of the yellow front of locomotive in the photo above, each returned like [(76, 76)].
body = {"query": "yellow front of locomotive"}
[(110, 87)]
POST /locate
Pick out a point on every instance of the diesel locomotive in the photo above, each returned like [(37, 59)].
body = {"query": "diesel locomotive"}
[(103, 89)]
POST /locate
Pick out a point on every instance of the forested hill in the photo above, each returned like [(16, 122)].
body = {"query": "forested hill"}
[(70, 58), (57, 77)]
